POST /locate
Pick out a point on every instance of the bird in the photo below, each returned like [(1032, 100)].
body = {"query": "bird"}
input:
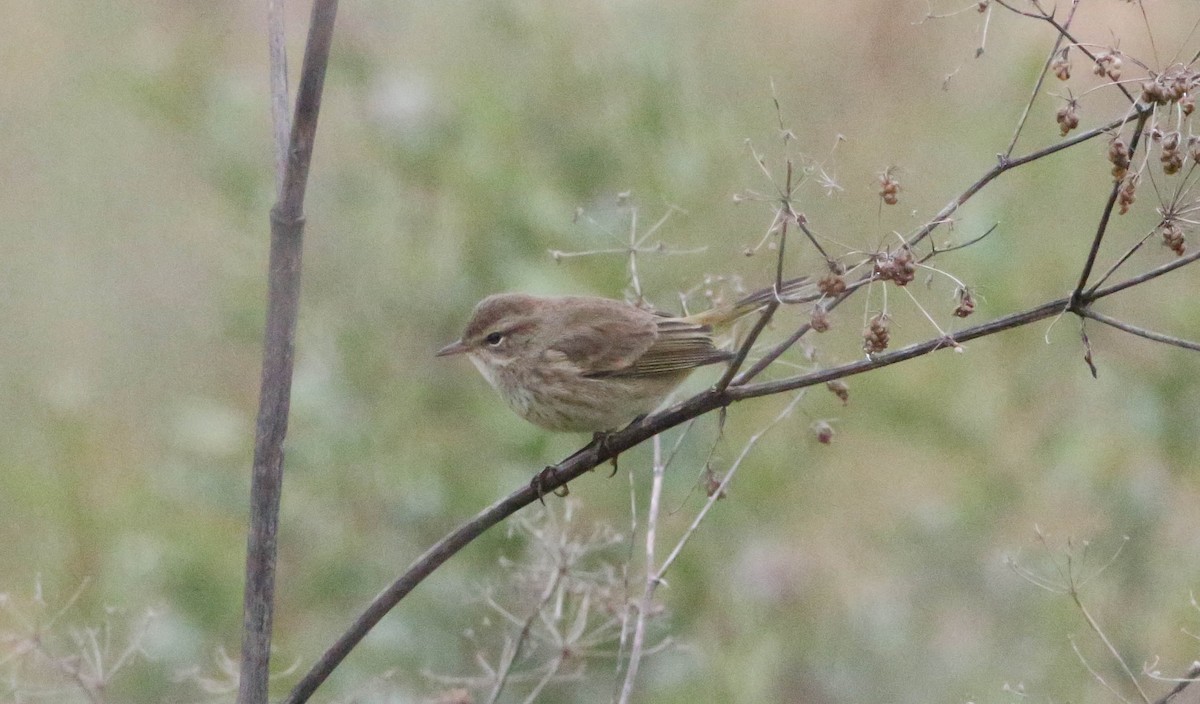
[(594, 364)]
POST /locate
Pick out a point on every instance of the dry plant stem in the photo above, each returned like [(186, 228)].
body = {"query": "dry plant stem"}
[(655, 575), (784, 215), (505, 668), (1108, 644), (639, 629), (1189, 679), (1004, 164), (280, 120), (1062, 30), (1041, 79), (712, 399), (283, 298), (1096, 675), (1102, 228), (1140, 332)]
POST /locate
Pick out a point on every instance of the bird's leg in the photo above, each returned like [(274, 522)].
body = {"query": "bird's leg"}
[(599, 441)]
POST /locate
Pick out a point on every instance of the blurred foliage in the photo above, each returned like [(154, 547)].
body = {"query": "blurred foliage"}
[(457, 141)]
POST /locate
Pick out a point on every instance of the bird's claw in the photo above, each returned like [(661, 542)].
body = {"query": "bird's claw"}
[(539, 481), (601, 441)]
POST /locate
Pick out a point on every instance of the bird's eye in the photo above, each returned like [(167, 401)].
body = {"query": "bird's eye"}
[(494, 339)]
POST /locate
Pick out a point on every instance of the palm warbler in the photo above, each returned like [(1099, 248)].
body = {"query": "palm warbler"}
[(583, 364)]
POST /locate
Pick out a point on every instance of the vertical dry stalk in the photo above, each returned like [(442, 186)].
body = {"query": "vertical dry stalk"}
[(283, 300)]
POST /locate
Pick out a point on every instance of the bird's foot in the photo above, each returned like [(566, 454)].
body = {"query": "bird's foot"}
[(539, 481), (600, 440)]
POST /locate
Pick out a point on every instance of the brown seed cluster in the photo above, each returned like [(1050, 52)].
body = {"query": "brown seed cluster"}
[(839, 388), (966, 303), (831, 284), (1118, 154), (889, 187), (820, 319), (1127, 194), (898, 267), (1067, 117), (1172, 238), (1169, 155), (1061, 67), (877, 335), (1170, 87), (1108, 63)]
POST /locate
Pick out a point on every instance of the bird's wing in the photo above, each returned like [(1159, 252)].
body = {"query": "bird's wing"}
[(678, 346), (600, 336)]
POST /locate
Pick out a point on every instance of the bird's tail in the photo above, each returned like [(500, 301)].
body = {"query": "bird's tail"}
[(798, 290)]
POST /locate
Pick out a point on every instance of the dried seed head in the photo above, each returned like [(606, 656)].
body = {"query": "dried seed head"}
[(889, 187), (1067, 117), (840, 389), (1108, 63), (820, 319), (1127, 194), (877, 334), (966, 303), (1172, 237), (831, 285), (1061, 68), (899, 267), (1118, 154)]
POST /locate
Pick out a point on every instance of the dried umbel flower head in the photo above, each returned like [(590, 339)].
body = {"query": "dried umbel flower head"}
[(1067, 117), (877, 334), (889, 186), (1061, 66), (1127, 194), (1170, 156), (1108, 63), (1172, 238), (1118, 154), (831, 284), (820, 319), (898, 267)]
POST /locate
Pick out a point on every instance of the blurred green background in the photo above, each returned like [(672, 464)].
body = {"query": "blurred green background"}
[(457, 141)]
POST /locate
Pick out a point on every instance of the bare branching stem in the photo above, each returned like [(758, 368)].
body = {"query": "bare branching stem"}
[(1106, 214)]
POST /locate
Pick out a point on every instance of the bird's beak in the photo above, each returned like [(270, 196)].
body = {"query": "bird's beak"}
[(456, 347)]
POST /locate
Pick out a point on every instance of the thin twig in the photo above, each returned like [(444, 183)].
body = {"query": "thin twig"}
[(1091, 622), (1102, 227), (1140, 332), (647, 601), (1037, 85), (943, 216), (720, 489)]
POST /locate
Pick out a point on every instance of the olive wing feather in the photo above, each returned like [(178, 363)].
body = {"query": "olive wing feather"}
[(606, 339)]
